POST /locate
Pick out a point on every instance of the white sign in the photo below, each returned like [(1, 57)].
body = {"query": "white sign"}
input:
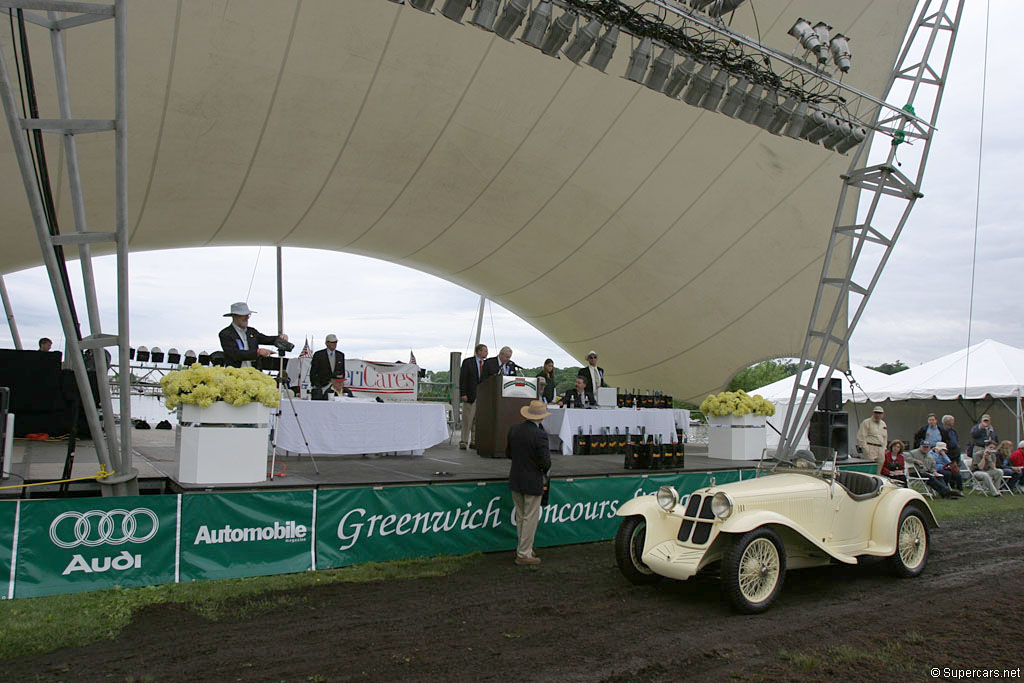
[(367, 379)]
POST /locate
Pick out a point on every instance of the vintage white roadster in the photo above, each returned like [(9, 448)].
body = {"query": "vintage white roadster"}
[(798, 515)]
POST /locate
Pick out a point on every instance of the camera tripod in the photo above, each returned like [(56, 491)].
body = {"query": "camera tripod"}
[(282, 385)]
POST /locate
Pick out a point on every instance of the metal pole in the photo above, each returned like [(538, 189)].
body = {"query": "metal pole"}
[(479, 321), (10, 314), (280, 296)]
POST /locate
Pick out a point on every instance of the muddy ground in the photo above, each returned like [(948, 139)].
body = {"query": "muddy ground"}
[(575, 618)]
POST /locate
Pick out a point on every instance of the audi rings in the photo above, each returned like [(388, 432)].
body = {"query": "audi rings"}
[(97, 527)]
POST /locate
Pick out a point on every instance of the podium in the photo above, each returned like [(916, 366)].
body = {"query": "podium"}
[(499, 399)]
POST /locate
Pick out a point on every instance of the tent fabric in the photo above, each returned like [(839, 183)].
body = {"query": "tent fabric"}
[(682, 244), (988, 368)]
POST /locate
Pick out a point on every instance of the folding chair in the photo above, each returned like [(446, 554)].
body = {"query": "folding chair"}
[(918, 482), (970, 483), (1004, 485)]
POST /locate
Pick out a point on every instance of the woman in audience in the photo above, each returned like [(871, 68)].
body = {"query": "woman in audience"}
[(892, 465), (1017, 464), (547, 374)]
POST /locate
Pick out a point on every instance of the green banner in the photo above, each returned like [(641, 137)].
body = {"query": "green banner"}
[(8, 514), (91, 543), (230, 535)]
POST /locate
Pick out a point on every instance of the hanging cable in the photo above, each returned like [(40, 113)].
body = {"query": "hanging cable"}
[(493, 333), (977, 196), (253, 278)]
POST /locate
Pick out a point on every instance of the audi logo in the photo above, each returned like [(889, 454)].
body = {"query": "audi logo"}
[(97, 527)]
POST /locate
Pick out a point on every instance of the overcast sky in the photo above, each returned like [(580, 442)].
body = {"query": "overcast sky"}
[(920, 310)]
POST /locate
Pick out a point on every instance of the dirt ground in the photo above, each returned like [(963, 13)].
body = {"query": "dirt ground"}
[(575, 618)]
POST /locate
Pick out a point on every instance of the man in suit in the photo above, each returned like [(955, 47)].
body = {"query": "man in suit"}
[(327, 368), (241, 343), (527, 447), (578, 397), (591, 374), (470, 374), (501, 365)]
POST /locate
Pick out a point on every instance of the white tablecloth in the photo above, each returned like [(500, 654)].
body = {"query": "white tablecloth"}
[(352, 426), (682, 418), (565, 422)]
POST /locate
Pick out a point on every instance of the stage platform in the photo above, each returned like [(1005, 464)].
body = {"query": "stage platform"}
[(154, 457)]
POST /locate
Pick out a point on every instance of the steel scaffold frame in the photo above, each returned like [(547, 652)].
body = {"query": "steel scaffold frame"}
[(822, 344), (112, 449)]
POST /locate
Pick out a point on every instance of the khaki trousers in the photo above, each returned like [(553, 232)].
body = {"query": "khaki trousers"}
[(468, 423), (527, 519), (876, 453)]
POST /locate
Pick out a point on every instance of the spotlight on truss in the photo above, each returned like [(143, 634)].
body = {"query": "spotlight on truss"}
[(815, 121), (797, 121), (822, 29), (660, 70), (766, 111), (605, 49), (537, 24), (515, 12), (841, 52), (843, 131), (556, 36), (638, 60), (805, 35), (734, 100), (751, 104), (699, 85), (681, 75), (830, 127), (783, 114), (722, 7), (422, 5), (454, 9), (715, 92), (485, 14), (856, 136), (584, 40)]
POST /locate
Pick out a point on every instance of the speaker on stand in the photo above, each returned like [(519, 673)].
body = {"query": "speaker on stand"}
[(830, 425)]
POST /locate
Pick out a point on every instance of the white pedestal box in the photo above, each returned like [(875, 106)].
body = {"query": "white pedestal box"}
[(223, 444), (737, 438)]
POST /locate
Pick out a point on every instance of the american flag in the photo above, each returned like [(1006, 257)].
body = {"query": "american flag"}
[(412, 358), (306, 351)]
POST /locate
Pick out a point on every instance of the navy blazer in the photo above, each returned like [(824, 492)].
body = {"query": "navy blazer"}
[(231, 344), (469, 377), (491, 367), (320, 371), (527, 447), (585, 374)]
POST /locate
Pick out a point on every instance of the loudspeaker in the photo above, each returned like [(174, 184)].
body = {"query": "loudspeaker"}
[(832, 399), (829, 431)]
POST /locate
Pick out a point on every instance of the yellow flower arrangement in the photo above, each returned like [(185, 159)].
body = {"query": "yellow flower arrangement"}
[(736, 403), (202, 386)]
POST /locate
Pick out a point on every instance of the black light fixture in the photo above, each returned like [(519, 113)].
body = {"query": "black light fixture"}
[(142, 354), (156, 355), (131, 353), (173, 356), (204, 358), (190, 358)]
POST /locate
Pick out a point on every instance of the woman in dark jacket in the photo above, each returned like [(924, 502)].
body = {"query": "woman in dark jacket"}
[(547, 373)]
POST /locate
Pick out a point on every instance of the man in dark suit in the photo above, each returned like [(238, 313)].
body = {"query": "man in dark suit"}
[(241, 343), (591, 374), (327, 368), (470, 374), (578, 397), (501, 365), (527, 447)]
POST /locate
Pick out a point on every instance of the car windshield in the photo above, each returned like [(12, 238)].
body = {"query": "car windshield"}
[(801, 460)]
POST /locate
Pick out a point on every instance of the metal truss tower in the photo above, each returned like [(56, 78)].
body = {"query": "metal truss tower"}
[(113, 447), (888, 189)]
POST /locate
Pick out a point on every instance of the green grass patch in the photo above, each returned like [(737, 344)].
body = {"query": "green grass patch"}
[(974, 504), (827, 660), (37, 625)]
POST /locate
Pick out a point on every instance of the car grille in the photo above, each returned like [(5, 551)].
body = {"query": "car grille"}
[(695, 528)]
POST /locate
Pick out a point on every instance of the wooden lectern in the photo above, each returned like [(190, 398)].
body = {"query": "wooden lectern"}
[(499, 399)]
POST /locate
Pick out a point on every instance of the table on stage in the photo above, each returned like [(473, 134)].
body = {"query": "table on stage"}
[(564, 422), (353, 426)]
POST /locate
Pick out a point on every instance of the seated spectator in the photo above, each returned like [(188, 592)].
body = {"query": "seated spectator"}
[(892, 465), (578, 397), (1005, 450), (1017, 464), (923, 461), (946, 468), (985, 470)]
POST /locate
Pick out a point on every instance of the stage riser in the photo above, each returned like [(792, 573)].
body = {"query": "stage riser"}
[(67, 546)]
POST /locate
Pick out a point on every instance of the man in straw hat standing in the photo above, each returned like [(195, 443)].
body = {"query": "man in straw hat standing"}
[(527, 446), (873, 436), (241, 343)]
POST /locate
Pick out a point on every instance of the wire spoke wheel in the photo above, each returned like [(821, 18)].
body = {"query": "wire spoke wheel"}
[(753, 570), (629, 551), (913, 542), (759, 570)]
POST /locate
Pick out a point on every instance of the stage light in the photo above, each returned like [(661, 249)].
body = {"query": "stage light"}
[(766, 111), (830, 127), (556, 36), (721, 7), (751, 104), (844, 129), (681, 75), (822, 29), (841, 52), (142, 354), (173, 356), (660, 70), (537, 24), (515, 12), (423, 5), (131, 353), (584, 40), (204, 358), (639, 58), (605, 49), (714, 95), (699, 85), (190, 358), (805, 35), (856, 136), (156, 355), (734, 100), (454, 9), (485, 14), (815, 121), (783, 114), (797, 121)]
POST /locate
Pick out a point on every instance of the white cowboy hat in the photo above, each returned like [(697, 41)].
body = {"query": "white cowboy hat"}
[(239, 308)]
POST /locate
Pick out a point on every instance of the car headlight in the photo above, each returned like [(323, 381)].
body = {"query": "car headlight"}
[(721, 505), (668, 498)]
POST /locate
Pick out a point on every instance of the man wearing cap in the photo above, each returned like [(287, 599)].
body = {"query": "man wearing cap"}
[(591, 374), (527, 447), (872, 437), (326, 368), (982, 433), (241, 343), (985, 467), (923, 460)]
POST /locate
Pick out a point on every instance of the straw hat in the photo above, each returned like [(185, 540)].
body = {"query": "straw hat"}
[(537, 410)]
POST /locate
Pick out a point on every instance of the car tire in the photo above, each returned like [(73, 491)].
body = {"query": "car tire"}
[(753, 570), (629, 547), (912, 542)]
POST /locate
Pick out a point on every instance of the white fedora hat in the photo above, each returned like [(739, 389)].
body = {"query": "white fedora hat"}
[(239, 308)]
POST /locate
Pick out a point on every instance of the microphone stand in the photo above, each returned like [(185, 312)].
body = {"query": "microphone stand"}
[(286, 394)]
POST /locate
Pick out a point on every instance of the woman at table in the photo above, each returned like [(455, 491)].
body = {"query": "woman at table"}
[(547, 374), (893, 464)]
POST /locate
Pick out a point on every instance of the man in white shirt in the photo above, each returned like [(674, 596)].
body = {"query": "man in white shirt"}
[(591, 374)]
